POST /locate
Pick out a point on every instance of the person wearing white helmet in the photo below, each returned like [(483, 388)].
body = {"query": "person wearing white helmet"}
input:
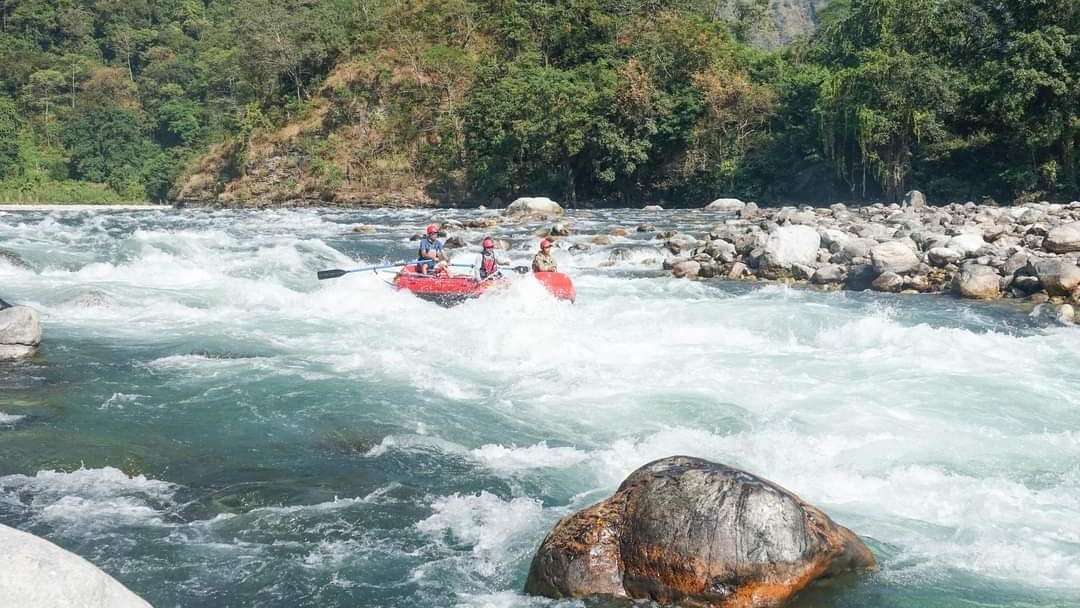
[(430, 251), (542, 261)]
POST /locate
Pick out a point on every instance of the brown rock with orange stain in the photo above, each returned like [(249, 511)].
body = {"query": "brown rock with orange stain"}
[(685, 530)]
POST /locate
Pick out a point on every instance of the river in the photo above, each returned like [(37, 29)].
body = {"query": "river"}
[(213, 426)]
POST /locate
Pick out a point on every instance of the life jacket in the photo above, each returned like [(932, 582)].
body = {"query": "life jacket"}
[(430, 245), (488, 265)]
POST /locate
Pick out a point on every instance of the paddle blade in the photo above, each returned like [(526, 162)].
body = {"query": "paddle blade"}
[(332, 274), (521, 269)]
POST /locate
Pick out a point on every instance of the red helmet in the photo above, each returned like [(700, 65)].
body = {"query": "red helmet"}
[(545, 244), (487, 243), (432, 229)]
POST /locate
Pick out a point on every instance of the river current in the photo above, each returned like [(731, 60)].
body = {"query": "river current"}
[(213, 426)]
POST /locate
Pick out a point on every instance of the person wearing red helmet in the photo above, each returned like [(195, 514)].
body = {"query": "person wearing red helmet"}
[(489, 266), (430, 250), (542, 261)]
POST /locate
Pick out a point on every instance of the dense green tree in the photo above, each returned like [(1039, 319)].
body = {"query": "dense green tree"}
[(106, 145), (10, 126)]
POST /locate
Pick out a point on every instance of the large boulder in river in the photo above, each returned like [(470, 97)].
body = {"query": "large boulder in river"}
[(20, 332), (1059, 277), (35, 573), (726, 205), (688, 531), (894, 256), (1063, 238), (789, 245), (978, 282), (539, 206)]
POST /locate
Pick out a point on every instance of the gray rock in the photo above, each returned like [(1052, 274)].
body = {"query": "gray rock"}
[(1015, 262), (35, 573), (652, 208), (687, 268), (720, 250), (792, 245), (828, 274), (687, 531), (834, 240), (20, 331), (977, 282), (535, 206), (894, 256), (726, 205), (889, 282), (646, 228), (875, 231), (1063, 238), (1058, 277), (914, 199), (1067, 313), (943, 256), (560, 229), (91, 298), (679, 242), (737, 271), (802, 272), (750, 211), (967, 244), (709, 270), (860, 277)]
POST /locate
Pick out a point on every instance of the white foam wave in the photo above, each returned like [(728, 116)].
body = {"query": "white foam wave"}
[(496, 532), (90, 498), (9, 419), (502, 459), (417, 443)]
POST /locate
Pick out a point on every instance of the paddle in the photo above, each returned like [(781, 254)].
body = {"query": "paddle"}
[(337, 272)]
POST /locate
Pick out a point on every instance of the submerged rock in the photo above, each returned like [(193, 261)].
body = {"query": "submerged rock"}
[(13, 259), (685, 530), (35, 573)]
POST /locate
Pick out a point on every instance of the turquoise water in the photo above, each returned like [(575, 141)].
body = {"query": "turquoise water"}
[(214, 427)]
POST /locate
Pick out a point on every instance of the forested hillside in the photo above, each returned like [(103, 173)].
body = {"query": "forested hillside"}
[(471, 101)]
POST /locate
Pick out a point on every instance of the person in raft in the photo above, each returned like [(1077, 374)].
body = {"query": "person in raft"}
[(542, 261), (489, 266), (430, 251)]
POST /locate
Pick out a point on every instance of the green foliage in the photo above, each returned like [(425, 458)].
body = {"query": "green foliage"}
[(597, 99), (10, 125), (106, 146)]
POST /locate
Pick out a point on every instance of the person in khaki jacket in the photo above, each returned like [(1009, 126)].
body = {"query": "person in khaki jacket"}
[(542, 261)]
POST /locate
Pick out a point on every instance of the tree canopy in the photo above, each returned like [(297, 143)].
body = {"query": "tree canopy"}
[(599, 100)]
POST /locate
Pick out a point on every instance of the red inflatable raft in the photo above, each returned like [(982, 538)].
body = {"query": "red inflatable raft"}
[(558, 284), (449, 290)]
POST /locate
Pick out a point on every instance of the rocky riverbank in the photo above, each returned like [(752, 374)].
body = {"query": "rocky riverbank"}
[(1029, 251)]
